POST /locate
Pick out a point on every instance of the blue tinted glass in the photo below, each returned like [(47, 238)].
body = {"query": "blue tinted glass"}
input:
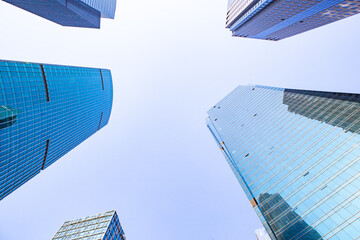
[(75, 13), (296, 154), (275, 20), (45, 111)]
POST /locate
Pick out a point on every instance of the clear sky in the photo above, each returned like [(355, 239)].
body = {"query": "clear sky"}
[(156, 163)]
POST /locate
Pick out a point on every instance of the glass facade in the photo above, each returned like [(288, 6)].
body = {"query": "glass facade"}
[(105, 7), (45, 111), (296, 154), (73, 13), (261, 234), (278, 19), (104, 226)]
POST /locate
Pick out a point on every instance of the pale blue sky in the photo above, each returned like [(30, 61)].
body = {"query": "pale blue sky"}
[(156, 163)]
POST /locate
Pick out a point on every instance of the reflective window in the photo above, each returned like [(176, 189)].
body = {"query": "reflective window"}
[(298, 160), (104, 226), (45, 111)]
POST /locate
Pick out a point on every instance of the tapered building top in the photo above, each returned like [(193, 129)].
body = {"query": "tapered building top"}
[(278, 19), (73, 13), (103, 226)]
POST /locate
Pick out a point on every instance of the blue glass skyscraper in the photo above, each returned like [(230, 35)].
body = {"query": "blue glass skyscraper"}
[(45, 111), (103, 226), (74, 13), (296, 154), (278, 19)]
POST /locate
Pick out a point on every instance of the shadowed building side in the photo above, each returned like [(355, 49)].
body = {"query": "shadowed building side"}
[(279, 19), (284, 221), (346, 103), (74, 13)]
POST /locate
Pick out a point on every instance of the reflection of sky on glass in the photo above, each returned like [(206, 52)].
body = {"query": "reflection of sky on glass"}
[(261, 234), (313, 165), (170, 61), (51, 120)]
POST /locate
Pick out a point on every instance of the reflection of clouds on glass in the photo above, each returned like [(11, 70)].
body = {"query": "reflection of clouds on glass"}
[(261, 234)]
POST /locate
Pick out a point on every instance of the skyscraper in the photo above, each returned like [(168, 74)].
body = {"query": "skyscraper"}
[(104, 226), (45, 111), (296, 154), (73, 13), (278, 19)]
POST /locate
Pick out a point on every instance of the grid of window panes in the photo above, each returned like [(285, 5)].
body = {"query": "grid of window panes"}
[(278, 19), (104, 226), (106, 7), (296, 154), (235, 8), (115, 231), (76, 13), (45, 111)]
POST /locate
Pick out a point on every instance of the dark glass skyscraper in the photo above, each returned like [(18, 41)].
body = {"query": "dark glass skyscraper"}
[(45, 111), (74, 13), (278, 19), (104, 226), (296, 154)]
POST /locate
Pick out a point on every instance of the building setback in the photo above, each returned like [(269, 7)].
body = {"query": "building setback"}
[(46, 111), (103, 226), (278, 19), (296, 154), (73, 13)]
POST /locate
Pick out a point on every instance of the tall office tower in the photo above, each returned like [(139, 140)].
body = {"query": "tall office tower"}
[(261, 234), (278, 19), (45, 111), (296, 154), (73, 13), (103, 226)]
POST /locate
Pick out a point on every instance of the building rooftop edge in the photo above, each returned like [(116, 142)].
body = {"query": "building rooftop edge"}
[(49, 64)]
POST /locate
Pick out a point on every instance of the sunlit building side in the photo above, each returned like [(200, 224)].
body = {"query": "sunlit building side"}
[(296, 154)]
